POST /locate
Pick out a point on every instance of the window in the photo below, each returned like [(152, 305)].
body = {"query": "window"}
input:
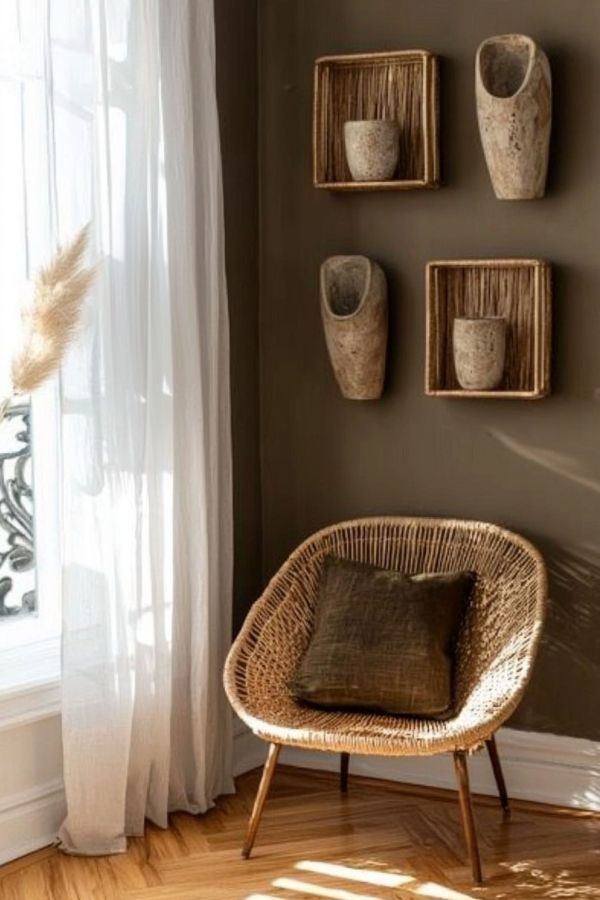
[(17, 582), (29, 567), (29, 504)]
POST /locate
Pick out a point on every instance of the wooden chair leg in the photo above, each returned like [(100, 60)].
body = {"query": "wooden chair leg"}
[(344, 763), (261, 796), (498, 774), (466, 808)]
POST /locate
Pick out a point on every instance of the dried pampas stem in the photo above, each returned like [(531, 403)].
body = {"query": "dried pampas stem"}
[(52, 318)]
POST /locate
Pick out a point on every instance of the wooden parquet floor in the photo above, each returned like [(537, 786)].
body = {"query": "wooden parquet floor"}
[(381, 840)]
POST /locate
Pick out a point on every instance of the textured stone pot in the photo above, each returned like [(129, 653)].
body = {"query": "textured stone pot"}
[(479, 352), (372, 148), (355, 319), (514, 109)]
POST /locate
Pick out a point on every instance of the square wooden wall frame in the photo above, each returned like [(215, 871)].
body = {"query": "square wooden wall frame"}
[(520, 290), (400, 84)]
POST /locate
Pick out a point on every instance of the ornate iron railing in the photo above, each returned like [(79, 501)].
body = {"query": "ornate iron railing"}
[(17, 561)]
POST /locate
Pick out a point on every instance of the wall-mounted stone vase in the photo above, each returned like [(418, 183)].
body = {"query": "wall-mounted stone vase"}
[(513, 89), (372, 149), (479, 345), (355, 318)]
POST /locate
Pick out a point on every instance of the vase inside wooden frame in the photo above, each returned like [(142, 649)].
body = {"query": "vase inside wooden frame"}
[(517, 289), (398, 85)]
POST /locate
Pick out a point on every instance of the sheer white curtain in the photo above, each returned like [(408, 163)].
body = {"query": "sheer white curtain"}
[(127, 138)]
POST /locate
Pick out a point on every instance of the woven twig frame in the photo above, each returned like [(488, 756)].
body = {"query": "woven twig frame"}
[(402, 85), (519, 290)]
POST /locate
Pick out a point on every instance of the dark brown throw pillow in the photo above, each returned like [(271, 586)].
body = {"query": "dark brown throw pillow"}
[(383, 641)]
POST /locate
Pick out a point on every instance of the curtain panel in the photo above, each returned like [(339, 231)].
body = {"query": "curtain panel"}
[(121, 130)]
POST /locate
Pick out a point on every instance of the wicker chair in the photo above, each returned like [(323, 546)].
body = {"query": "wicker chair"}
[(495, 653)]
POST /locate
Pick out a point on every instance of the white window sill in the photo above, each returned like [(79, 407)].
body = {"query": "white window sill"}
[(29, 682)]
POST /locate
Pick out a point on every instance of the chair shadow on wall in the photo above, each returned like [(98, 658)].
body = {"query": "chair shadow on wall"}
[(569, 659), (568, 666)]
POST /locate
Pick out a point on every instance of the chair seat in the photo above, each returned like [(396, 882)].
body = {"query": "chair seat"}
[(361, 732)]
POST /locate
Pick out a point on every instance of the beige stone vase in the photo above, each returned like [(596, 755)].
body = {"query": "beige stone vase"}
[(355, 318), (479, 346), (372, 149), (513, 88)]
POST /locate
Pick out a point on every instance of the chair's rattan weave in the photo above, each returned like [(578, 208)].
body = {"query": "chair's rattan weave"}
[(495, 653)]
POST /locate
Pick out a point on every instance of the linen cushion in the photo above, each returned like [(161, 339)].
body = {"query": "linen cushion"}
[(383, 641)]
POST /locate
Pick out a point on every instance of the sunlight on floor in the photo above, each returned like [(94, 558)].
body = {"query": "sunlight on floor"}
[(532, 879), (368, 876), (429, 890), (316, 890), (262, 897), (438, 892), (382, 879)]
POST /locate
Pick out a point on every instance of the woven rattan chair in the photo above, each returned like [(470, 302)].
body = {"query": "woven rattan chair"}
[(495, 653)]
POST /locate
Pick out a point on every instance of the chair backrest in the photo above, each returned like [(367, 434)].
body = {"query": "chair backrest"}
[(414, 545)]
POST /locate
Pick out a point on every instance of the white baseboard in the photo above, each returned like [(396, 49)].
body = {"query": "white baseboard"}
[(546, 768), (30, 819), (29, 703), (32, 799)]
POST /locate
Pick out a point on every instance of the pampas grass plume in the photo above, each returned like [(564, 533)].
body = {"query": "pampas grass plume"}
[(50, 322)]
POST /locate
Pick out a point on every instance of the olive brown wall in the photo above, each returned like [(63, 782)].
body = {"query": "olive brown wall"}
[(237, 93), (532, 466)]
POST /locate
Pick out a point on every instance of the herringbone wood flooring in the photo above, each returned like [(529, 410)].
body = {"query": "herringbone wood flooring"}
[(381, 840)]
